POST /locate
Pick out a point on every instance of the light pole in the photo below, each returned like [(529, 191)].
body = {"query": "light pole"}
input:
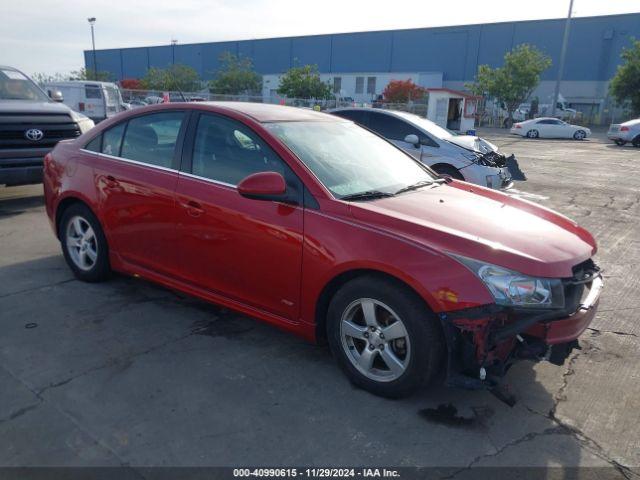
[(563, 54), (91, 21), (173, 51)]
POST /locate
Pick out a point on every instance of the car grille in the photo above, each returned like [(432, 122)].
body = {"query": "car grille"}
[(55, 127)]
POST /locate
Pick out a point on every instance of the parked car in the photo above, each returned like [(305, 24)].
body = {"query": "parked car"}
[(323, 228), (548, 127), (627, 132), (463, 157), (31, 123), (97, 100)]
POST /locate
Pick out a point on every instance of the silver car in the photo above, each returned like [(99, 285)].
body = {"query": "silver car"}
[(627, 132), (463, 157)]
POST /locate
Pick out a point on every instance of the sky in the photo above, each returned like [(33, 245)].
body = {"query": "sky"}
[(49, 36)]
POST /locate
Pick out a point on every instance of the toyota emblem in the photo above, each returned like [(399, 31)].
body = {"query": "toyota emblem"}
[(34, 134)]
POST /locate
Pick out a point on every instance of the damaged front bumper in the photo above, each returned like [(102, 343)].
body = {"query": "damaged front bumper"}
[(484, 342)]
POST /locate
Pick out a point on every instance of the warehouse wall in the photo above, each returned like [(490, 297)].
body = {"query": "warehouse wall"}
[(593, 53)]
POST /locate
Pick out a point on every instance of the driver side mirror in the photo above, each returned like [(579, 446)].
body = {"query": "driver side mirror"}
[(263, 186), (56, 95), (413, 140)]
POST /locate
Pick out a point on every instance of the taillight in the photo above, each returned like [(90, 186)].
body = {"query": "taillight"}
[(517, 125), (81, 106), (624, 129)]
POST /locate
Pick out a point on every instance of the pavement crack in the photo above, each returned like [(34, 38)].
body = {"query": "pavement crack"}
[(35, 289), (20, 412), (113, 362), (525, 438), (612, 332)]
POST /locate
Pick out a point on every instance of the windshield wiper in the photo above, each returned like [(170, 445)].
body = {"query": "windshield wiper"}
[(415, 186), (367, 195)]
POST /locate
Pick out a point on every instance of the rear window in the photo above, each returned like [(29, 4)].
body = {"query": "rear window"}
[(152, 138)]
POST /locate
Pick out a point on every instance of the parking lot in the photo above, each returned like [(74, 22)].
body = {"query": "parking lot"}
[(128, 373)]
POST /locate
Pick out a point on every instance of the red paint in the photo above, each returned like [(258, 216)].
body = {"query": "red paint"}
[(263, 183), (273, 260)]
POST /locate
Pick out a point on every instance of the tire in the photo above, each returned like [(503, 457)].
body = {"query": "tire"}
[(84, 245), (448, 170), (533, 134), (636, 142), (579, 135), (620, 143), (389, 368)]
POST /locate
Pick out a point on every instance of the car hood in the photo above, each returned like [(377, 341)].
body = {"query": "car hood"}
[(21, 106), (470, 142), (483, 224)]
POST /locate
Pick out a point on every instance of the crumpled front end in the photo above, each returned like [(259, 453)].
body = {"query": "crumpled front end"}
[(484, 342)]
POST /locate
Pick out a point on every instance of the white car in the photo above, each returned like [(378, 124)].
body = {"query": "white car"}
[(548, 127), (463, 157), (625, 132)]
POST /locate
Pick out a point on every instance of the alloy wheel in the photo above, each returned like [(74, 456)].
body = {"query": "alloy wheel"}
[(375, 340), (81, 243)]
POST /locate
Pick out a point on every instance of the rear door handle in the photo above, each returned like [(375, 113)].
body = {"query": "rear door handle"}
[(194, 209)]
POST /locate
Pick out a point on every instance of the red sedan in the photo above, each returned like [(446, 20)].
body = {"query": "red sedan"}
[(316, 225)]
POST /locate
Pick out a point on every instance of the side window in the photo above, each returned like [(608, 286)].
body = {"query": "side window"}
[(113, 140), (94, 145), (152, 138), (391, 128), (227, 151), (357, 116), (92, 91)]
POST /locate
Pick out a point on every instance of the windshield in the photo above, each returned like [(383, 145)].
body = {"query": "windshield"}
[(428, 126), (16, 86), (348, 159)]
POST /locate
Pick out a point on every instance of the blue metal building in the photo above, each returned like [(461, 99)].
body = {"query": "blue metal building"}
[(593, 54)]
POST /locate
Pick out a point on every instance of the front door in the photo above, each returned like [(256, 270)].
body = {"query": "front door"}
[(247, 250), (136, 175)]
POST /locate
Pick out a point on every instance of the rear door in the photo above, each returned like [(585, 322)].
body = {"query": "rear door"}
[(136, 171), (247, 250)]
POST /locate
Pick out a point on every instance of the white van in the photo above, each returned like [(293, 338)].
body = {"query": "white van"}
[(96, 100)]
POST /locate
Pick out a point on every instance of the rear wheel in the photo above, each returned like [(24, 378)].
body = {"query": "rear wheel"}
[(580, 135), (620, 143), (383, 336), (83, 244), (533, 134), (448, 170)]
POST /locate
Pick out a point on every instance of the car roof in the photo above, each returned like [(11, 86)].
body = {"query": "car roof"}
[(264, 112)]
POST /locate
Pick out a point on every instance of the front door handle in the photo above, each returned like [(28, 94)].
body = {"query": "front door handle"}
[(194, 209)]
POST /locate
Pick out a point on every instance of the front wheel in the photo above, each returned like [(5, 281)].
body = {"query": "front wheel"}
[(384, 337), (636, 142), (83, 244), (580, 135)]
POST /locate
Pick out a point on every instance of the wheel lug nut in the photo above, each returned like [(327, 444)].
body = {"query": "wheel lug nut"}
[(366, 334), (371, 347), (382, 347), (381, 335)]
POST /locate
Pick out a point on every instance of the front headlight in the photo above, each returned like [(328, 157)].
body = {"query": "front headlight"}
[(516, 289)]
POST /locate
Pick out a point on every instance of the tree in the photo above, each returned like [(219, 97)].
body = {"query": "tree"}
[(175, 78), (514, 82), (236, 76), (403, 91), (625, 85), (41, 78), (130, 84), (304, 82), (84, 74)]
